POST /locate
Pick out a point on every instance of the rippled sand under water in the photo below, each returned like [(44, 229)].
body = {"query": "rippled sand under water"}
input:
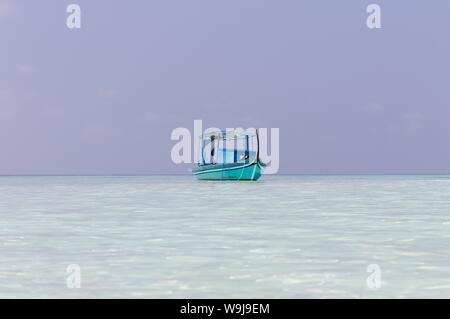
[(175, 237)]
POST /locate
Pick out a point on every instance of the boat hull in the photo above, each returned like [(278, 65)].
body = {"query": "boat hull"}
[(235, 171)]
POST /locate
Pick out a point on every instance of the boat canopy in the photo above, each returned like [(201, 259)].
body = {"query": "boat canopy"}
[(225, 147), (228, 135)]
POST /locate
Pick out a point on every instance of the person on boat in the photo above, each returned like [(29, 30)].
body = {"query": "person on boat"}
[(244, 157)]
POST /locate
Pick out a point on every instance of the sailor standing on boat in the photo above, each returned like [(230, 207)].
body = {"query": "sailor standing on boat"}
[(213, 149)]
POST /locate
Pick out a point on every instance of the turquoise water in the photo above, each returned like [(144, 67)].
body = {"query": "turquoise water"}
[(176, 237)]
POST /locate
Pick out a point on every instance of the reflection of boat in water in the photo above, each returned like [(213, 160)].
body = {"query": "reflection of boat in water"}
[(229, 156)]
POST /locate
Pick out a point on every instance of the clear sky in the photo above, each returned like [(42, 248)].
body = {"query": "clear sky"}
[(104, 99)]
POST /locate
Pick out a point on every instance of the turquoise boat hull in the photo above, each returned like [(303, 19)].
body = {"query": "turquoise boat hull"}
[(234, 171)]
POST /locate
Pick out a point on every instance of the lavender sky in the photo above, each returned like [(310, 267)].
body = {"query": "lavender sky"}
[(104, 99)]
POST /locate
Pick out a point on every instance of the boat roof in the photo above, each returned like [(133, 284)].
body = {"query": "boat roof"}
[(227, 135)]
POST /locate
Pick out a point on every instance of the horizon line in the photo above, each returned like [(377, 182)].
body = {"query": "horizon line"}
[(266, 175)]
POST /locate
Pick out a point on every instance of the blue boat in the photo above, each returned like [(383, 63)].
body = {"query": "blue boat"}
[(219, 161)]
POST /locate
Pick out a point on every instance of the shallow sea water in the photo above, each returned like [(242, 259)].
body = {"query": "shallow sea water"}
[(175, 237)]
